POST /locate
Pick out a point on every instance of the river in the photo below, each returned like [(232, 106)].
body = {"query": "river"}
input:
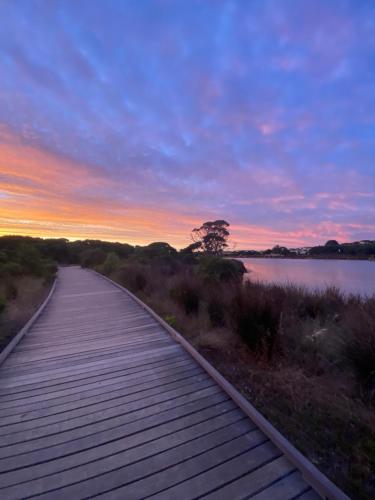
[(350, 276)]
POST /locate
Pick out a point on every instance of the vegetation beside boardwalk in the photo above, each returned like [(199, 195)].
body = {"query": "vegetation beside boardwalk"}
[(305, 359), (25, 278)]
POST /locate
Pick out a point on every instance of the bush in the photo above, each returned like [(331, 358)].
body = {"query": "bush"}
[(320, 304), (11, 291), (256, 318), (92, 257), (167, 265), (219, 270), (11, 269), (187, 295), (111, 263), (133, 277), (360, 345), (30, 259), (3, 304), (216, 308), (49, 269)]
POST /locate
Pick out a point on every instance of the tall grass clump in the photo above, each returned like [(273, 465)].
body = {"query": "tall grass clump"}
[(3, 304), (256, 318), (133, 276), (110, 265), (359, 326), (187, 294), (217, 308)]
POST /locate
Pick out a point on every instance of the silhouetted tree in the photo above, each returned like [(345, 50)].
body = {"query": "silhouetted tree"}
[(158, 249), (193, 247), (332, 243), (213, 236)]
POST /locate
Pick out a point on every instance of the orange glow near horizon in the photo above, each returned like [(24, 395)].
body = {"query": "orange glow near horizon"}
[(47, 196)]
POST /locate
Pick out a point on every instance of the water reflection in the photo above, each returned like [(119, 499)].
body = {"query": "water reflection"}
[(351, 276)]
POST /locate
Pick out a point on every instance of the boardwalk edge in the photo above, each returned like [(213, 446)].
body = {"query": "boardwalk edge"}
[(15, 340), (316, 479)]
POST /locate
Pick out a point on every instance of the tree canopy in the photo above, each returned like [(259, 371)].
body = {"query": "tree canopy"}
[(332, 243), (213, 236)]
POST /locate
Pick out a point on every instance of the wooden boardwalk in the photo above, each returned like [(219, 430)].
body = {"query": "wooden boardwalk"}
[(99, 400)]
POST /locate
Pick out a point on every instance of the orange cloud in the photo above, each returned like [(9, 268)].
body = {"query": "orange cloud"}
[(44, 195)]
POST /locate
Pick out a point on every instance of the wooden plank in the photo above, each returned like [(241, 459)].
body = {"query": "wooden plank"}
[(308, 495), (135, 409), (83, 373), (122, 452), (109, 435), (122, 420), (7, 378), (66, 356), (289, 486), (195, 476), (51, 400), (253, 481), (114, 470), (77, 400), (49, 418), (13, 394), (114, 353)]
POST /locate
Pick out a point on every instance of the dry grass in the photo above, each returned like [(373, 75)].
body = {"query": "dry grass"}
[(24, 295)]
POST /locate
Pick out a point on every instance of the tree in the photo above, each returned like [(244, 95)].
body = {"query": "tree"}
[(158, 249), (213, 236), (280, 250), (193, 247), (332, 243)]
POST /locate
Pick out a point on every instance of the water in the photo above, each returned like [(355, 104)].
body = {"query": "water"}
[(350, 276)]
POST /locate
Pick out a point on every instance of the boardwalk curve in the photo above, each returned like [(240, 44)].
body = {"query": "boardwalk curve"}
[(100, 398)]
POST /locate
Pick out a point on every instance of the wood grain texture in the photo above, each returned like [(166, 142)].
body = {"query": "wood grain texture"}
[(97, 399)]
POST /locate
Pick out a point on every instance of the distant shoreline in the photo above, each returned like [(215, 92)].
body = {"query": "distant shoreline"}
[(299, 257)]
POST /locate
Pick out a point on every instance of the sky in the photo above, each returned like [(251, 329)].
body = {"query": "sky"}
[(137, 120)]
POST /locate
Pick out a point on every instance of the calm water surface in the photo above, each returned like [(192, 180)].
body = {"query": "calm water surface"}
[(351, 276)]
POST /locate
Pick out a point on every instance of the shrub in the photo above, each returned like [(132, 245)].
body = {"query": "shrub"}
[(256, 318), (321, 304), (133, 277), (219, 270), (171, 320), (92, 257), (3, 304), (111, 263), (49, 269), (10, 268), (29, 259), (216, 308), (167, 265), (187, 295), (11, 291), (360, 345)]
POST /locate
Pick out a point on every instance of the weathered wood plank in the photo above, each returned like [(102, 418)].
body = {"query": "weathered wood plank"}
[(289, 486), (253, 481), (114, 470)]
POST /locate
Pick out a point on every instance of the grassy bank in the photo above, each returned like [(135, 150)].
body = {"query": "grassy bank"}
[(305, 360), (25, 279)]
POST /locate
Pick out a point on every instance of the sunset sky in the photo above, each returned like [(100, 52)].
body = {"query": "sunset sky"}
[(136, 120)]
